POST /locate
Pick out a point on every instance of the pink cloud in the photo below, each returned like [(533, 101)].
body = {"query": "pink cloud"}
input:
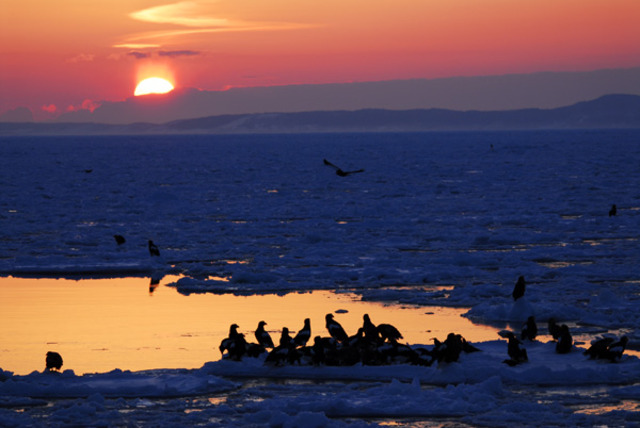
[(86, 105), (51, 108), (90, 105)]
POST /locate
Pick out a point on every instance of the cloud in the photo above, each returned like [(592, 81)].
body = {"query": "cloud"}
[(137, 45), (239, 27), (51, 108), (178, 53), (193, 17), (86, 105), (185, 13), (139, 55), (82, 58)]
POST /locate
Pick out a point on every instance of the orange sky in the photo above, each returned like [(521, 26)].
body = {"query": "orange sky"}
[(65, 53)]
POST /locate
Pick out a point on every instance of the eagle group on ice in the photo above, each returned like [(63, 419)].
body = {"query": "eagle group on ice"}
[(371, 345), (379, 344)]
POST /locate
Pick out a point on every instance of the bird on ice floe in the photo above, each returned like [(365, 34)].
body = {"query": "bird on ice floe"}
[(153, 249), (53, 361), (235, 344), (529, 329), (285, 338), (565, 341), (304, 334), (554, 328), (389, 333), (339, 171), (607, 348), (262, 336), (515, 349), (335, 329), (518, 289), (369, 330)]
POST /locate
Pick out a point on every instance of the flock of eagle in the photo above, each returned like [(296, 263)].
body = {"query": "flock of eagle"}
[(378, 344)]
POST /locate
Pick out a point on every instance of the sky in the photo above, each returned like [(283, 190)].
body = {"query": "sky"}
[(68, 55)]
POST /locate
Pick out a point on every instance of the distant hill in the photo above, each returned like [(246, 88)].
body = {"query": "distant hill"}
[(607, 112)]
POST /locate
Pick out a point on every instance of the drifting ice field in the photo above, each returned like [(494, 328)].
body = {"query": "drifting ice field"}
[(436, 219)]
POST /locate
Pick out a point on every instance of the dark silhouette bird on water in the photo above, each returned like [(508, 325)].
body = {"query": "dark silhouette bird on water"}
[(335, 329), (53, 361), (565, 341), (304, 334), (119, 239), (529, 329), (262, 336), (613, 211), (153, 249), (339, 171), (518, 289)]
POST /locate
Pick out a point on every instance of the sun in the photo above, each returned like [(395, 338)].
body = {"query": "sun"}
[(153, 85)]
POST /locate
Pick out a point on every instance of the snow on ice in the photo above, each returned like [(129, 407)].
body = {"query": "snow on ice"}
[(462, 213)]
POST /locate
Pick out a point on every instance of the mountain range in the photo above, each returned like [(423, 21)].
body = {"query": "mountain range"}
[(606, 112)]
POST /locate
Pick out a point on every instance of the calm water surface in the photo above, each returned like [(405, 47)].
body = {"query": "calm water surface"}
[(98, 325)]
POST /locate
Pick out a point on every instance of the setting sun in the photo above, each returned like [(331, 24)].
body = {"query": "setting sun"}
[(153, 85)]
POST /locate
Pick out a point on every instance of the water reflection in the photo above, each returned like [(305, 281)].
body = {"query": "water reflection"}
[(101, 324), (154, 283)]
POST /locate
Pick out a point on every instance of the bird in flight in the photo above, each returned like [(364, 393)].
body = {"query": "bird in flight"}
[(339, 171)]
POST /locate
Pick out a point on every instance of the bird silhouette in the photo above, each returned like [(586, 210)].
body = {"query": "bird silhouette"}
[(529, 329), (607, 348), (613, 211), (235, 344), (119, 239), (554, 328), (389, 333), (449, 350), (341, 172), (565, 341), (615, 350), (518, 289), (599, 347), (515, 349), (285, 338), (304, 334), (335, 329), (262, 336), (53, 361), (369, 329), (153, 249)]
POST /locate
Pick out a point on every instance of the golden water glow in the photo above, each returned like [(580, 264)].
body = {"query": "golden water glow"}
[(153, 85), (101, 325)]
